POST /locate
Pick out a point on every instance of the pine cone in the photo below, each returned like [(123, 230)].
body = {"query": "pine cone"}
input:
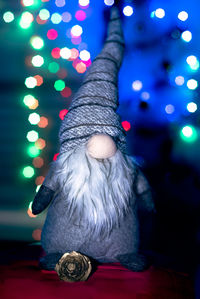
[(73, 267)]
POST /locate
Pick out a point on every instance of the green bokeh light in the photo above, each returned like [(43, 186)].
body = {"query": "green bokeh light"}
[(26, 20), (53, 67), (59, 85), (33, 151), (37, 42), (56, 18), (28, 172), (29, 100), (188, 134), (44, 14)]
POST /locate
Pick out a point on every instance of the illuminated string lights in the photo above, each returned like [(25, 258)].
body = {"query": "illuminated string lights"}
[(192, 107), (28, 172), (186, 36), (126, 125), (37, 61), (32, 136), (109, 2), (37, 42), (183, 16), (26, 20), (179, 80), (169, 109), (192, 84), (137, 85)]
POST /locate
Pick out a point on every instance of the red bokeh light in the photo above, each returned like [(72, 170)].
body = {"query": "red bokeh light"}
[(39, 180), (40, 21), (126, 125), (66, 92), (52, 34), (37, 234), (81, 67), (39, 80), (62, 113), (38, 162), (43, 123), (55, 53), (62, 73), (55, 156)]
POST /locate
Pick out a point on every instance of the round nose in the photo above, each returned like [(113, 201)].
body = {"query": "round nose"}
[(101, 146)]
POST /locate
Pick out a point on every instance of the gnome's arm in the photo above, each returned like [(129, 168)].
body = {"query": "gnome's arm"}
[(143, 191), (45, 193)]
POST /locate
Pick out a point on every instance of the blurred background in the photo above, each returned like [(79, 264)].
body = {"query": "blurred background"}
[(46, 47)]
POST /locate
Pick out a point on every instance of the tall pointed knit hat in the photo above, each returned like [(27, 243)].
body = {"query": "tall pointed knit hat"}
[(93, 109)]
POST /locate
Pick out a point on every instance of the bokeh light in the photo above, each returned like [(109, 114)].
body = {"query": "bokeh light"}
[(39, 80), (39, 180), (33, 151), (74, 54), (56, 18), (84, 3), (76, 30), (52, 34), (32, 136), (179, 80), (60, 3), (193, 62), (80, 15), (66, 17), (192, 107), (137, 85), (84, 55), (34, 118), (62, 113), (128, 10), (29, 100), (126, 125), (28, 172), (192, 84), (53, 67), (37, 60), (145, 95), (26, 20), (55, 157), (160, 13), (65, 53), (27, 2), (186, 36), (183, 16), (109, 2), (36, 235), (169, 109), (55, 53), (43, 123), (188, 133), (8, 16), (66, 92), (37, 42), (38, 162), (44, 14), (59, 85), (30, 82), (80, 67), (40, 143)]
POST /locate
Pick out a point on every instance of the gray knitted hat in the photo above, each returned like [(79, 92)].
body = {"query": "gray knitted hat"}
[(93, 109)]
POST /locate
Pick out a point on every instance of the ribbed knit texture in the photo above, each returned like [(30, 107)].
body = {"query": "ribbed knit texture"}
[(93, 109)]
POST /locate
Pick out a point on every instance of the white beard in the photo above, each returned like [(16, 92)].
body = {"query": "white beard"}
[(97, 192)]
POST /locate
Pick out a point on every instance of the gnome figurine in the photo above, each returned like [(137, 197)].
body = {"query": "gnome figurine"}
[(94, 188)]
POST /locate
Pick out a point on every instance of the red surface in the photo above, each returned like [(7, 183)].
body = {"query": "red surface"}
[(25, 280)]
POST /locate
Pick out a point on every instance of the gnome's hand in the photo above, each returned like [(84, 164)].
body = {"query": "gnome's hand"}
[(42, 199)]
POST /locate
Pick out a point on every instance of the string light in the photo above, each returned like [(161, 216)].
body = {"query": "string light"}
[(84, 2), (26, 20), (84, 55), (52, 34), (193, 62), (66, 17), (55, 53), (126, 125), (38, 162), (60, 3), (37, 60), (43, 123), (34, 118), (59, 85), (80, 15), (62, 113), (33, 151), (53, 67)]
